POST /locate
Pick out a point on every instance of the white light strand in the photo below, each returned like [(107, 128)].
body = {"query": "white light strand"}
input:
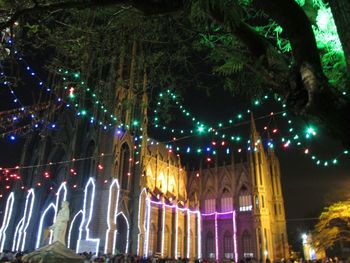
[(148, 201), (216, 238), (139, 220), (15, 236), (71, 226), (163, 229), (6, 220), (87, 230), (199, 235), (109, 223), (188, 233), (127, 231), (235, 235), (41, 222), (176, 232), (30, 198)]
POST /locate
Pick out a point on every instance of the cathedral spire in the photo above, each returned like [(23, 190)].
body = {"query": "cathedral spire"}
[(270, 146), (253, 132)]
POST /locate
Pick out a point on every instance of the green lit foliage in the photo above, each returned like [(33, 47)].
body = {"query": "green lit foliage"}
[(332, 56)]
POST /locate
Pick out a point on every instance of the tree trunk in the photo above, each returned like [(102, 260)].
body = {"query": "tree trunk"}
[(341, 15)]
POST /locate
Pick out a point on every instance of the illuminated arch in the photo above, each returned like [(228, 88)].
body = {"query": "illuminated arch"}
[(27, 215), (143, 192), (122, 215), (15, 236), (114, 185), (90, 185), (7, 218), (56, 207), (38, 239), (161, 185), (80, 212)]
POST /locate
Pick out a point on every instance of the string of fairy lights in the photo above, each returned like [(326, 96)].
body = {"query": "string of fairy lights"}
[(199, 126), (294, 136)]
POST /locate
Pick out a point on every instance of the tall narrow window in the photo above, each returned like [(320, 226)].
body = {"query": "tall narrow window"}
[(209, 245), (226, 201), (209, 203), (247, 245), (124, 166), (245, 200), (228, 248), (152, 242)]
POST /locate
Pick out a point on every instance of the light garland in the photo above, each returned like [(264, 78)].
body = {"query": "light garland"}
[(6, 220), (113, 185), (127, 231), (184, 210), (80, 212), (163, 230), (24, 222), (143, 191), (87, 223), (41, 222), (148, 202), (55, 207)]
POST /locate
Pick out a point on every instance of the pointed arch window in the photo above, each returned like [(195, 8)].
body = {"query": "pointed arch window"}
[(228, 247), (245, 200), (124, 165), (152, 240), (226, 201), (209, 245), (209, 203), (247, 245)]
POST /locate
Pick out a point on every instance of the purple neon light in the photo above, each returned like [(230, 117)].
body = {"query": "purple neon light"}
[(216, 214), (235, 235), (216, 238)]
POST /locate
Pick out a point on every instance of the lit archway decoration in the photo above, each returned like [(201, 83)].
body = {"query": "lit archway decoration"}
[(56, 207), (7, 218), (80, 212), (85, 222), (21, 229), (111, 212), (127, 230)]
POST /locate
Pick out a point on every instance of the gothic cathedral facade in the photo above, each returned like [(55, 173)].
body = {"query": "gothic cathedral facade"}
[(128, 193)]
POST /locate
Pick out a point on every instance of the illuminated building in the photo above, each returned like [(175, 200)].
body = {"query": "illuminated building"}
[(130, 194), (242, 206)]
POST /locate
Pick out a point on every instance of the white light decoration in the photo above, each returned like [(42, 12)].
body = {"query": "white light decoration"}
[(56, 208), (234, 234), (15, 236), (127, 231), (216, 238), (138, 220), (6, 220), (215, 214), (80, 212), (115, 211), (176, 231), (188, 233), (188, 211), (21, 229), (199, 237), (87, 230), (163, 229), (38, 238), (148, 202)]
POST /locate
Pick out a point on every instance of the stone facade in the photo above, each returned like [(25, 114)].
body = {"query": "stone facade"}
[(242, 207)]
